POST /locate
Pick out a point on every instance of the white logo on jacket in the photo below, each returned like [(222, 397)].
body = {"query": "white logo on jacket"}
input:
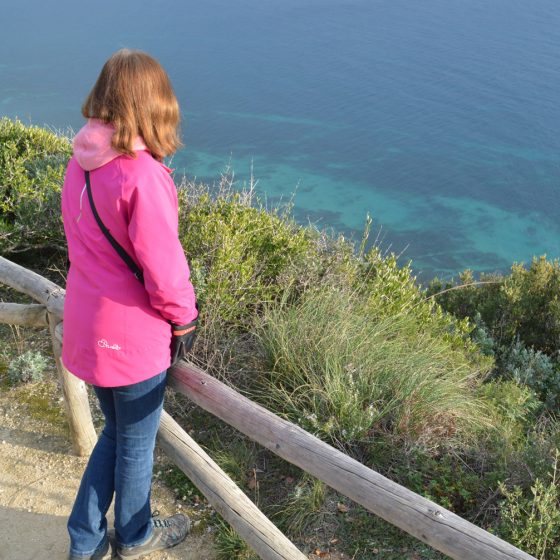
[(102, 343)]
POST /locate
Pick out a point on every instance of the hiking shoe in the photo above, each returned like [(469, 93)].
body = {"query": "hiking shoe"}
[(166, 533), (106, 553)]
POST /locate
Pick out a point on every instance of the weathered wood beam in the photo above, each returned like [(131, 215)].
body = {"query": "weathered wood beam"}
[(34, 285), (76, 401), (422, 518), (224, 495), (28, 315)]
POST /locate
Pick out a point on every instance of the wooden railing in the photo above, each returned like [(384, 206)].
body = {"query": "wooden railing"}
[(422, 518)]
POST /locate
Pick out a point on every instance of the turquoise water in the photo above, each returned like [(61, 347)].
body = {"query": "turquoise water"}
[(438, 118)]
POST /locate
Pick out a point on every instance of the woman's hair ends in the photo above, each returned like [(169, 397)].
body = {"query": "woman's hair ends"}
[(133, 93)]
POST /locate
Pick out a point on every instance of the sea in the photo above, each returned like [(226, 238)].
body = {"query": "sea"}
[(438, 119)]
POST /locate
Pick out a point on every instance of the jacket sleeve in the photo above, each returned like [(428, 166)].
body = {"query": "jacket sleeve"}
[(153, 232)]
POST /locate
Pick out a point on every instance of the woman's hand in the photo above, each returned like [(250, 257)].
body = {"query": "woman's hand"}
[(182, 340)]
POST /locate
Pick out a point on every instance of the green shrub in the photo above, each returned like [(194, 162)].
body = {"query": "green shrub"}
[(535, 370), (513, 408), (482, 338), (240, 254), (532, 523), (524, 304), (449, 479), (533, 295), (32, 165), (27, 367), (517, 320), (343, 373)]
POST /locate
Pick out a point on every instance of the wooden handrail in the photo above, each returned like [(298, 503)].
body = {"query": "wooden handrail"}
[(224, 495), (422, 518), (28, 315), (34, 285)]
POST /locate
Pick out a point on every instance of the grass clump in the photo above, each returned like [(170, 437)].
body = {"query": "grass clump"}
[(237, 458), (344, 373), (302, 506), (229, 545)]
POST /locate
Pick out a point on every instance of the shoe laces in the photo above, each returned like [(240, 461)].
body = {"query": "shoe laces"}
[(169, 530)]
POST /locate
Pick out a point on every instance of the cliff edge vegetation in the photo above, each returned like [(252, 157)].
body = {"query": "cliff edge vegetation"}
[(451, 391)]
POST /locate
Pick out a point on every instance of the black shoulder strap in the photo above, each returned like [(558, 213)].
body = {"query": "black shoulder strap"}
[(118, 248)]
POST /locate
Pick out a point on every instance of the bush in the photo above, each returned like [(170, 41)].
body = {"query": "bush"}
[(241, 255), (514, 408), (533, 296), (533, 522), (28, 367), (535, 370), (517, 320), (32, 165), (453, 480), (524, 304), (392, 291)]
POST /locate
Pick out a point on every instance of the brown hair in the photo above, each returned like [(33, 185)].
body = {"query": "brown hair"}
[(133, 92)]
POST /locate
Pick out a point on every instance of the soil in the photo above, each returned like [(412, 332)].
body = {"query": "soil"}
[(39, 478)]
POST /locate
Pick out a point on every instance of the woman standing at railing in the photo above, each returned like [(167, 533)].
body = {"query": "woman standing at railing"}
[(128, 300)]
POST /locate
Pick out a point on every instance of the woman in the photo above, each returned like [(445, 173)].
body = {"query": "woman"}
[(118, 326)]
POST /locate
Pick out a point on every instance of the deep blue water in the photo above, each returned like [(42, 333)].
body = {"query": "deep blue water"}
[(440, 118)]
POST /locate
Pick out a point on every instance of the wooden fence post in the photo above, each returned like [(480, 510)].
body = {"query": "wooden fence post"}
[(75, 400), (51, 298)]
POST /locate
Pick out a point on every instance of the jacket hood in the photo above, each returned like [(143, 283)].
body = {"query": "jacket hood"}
[(92, 145)]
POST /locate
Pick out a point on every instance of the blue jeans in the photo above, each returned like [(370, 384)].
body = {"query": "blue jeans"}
[(121, 465)]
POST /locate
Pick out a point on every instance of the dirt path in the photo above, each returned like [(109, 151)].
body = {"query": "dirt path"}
[(39, 478)]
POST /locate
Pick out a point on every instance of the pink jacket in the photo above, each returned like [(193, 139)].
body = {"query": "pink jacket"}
[(116, 331)]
